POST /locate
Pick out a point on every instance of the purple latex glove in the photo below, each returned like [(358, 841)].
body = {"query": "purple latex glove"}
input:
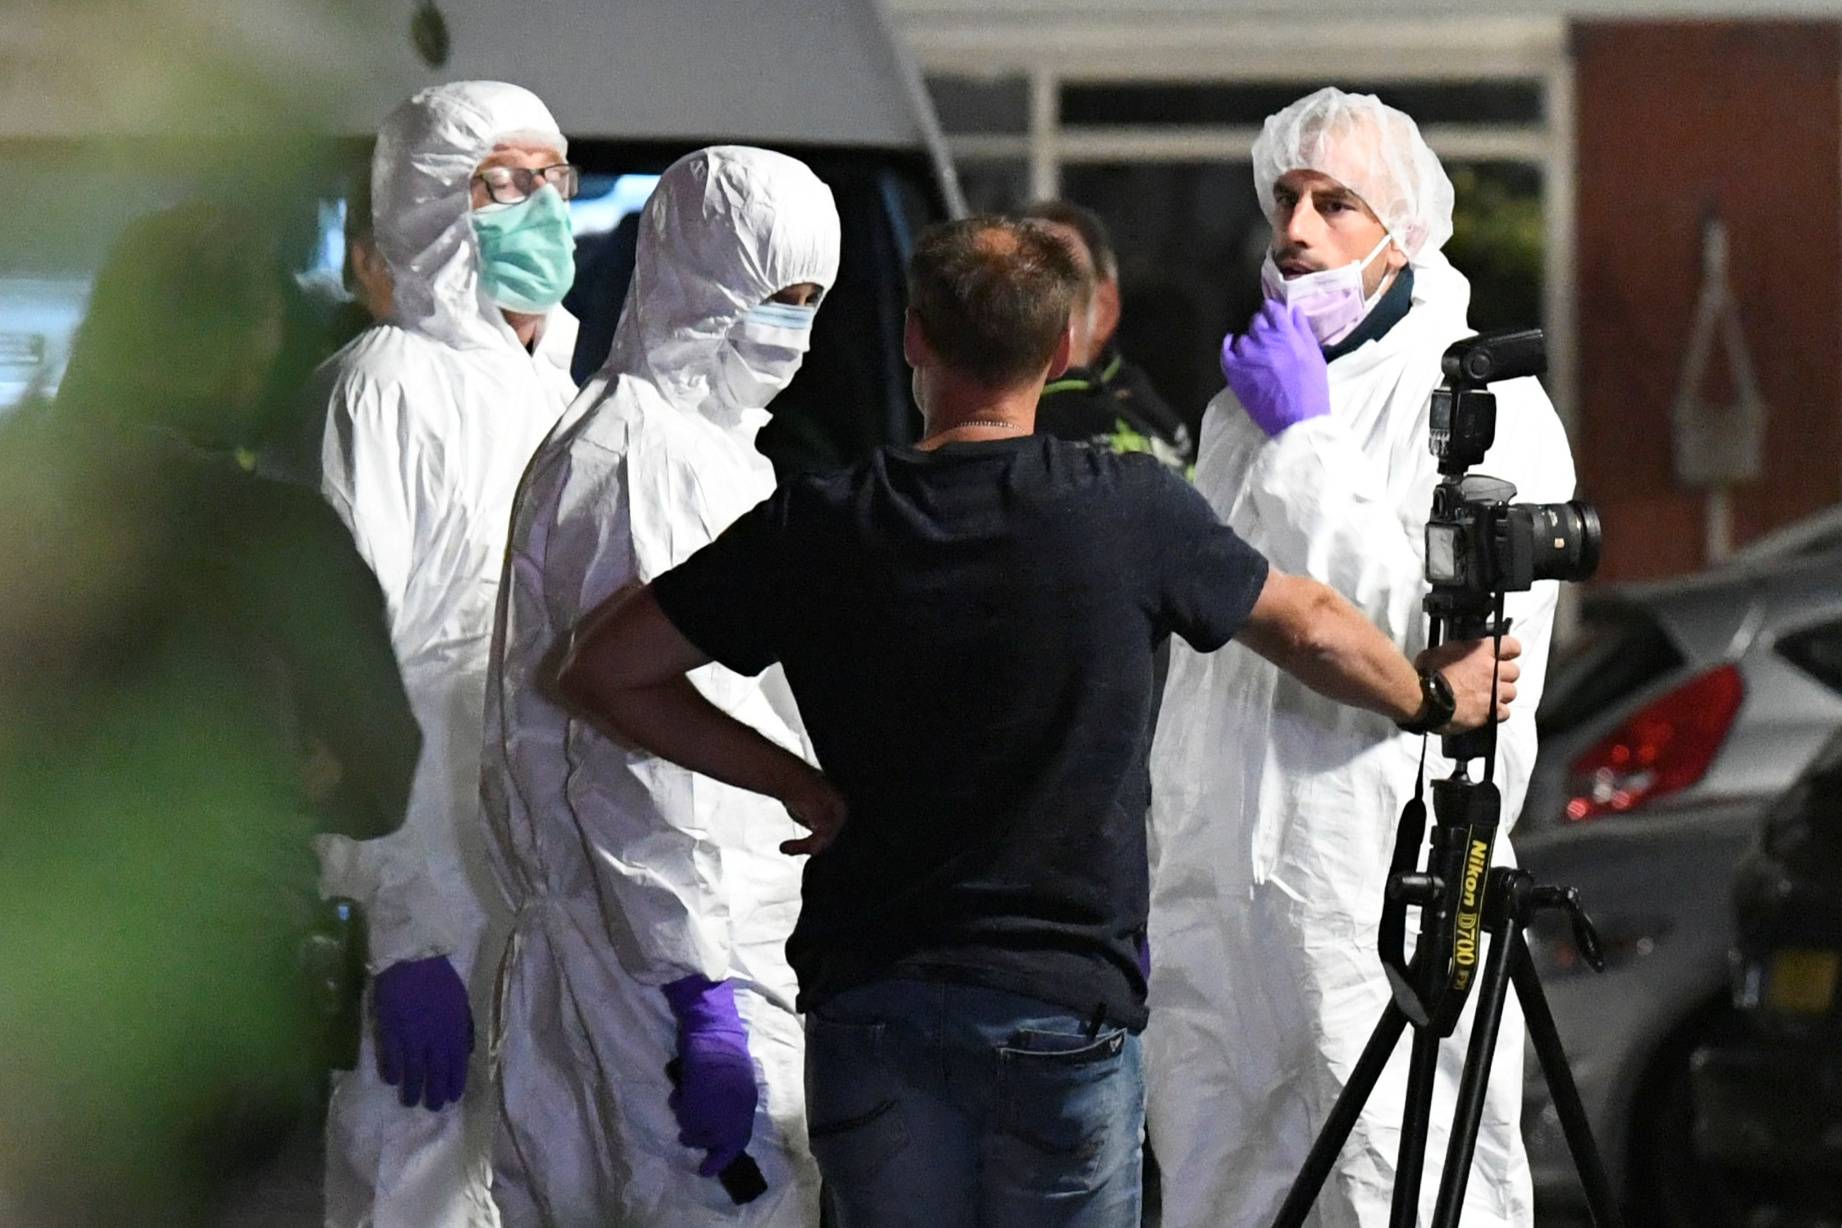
[(1144, 955), (424, 1030), (1277, 370), (716, 1095)]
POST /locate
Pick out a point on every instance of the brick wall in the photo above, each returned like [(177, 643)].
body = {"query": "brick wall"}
[(1675, 119)]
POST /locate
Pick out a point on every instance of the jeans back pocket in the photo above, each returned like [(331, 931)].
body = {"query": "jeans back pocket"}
[(1066, 1104), (853, 1105)]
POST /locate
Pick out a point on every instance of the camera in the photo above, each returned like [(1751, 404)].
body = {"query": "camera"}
[(1479, 542), (1480, 545)]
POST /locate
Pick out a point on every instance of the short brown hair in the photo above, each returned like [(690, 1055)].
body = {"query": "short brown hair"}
[(1086, 223), (992, 295)]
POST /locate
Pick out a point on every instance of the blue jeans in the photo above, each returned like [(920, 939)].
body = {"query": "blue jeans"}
[(951, 1106)]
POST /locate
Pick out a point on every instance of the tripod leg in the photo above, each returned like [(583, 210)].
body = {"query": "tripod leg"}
[(1506, 952), (1411, 1162), (1554, 1068), (1342, 1119)]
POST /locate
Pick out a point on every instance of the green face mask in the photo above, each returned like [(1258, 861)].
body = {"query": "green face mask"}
[(527, 252)]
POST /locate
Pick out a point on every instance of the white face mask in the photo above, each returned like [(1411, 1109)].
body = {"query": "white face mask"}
[(763, 353), (1331, 299)]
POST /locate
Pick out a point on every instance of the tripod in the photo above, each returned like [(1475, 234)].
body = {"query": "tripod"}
[(1515, 898), (1460, 898)]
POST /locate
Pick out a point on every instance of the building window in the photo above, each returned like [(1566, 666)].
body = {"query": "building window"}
[(994, 185), (1165, 163), (982, 105), (1248, 103)]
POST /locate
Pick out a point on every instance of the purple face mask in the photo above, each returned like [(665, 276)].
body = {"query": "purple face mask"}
[(1331, 299)]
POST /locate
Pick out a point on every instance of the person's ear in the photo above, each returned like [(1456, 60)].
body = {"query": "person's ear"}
[(1106, 311), (348, 273), (1064, 351), (914, 343), (366, 266), (1396, 256), (371, 262)]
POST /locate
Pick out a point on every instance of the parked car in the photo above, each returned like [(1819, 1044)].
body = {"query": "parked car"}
[(1768, 1098), (1682, 710)]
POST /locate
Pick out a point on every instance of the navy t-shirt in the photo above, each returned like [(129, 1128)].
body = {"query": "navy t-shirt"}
[(969, 633)]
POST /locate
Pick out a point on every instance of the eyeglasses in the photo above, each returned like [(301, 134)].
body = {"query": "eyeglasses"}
[(508, 185)]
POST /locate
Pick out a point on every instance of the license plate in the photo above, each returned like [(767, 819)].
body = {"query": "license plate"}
[(1802, 982)]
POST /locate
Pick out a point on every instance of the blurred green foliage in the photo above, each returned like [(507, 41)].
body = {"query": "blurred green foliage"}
[(1498, 242), (154, 848), (156, 867)]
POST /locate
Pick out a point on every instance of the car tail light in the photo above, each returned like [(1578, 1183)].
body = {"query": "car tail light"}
[(1664, 748)]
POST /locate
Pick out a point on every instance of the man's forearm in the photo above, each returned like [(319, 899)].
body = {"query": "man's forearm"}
[(1349, 660), (674, 721), (1317, 636), (1310, 631), (627, 672)]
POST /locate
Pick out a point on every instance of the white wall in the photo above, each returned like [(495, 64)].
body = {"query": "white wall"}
[(823, 71), (1276, 39), (1137, 9)]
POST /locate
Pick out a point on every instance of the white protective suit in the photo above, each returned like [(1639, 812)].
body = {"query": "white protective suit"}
[(629, 872), (432, 419), (1274, 809)]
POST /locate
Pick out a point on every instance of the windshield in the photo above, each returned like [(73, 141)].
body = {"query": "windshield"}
[(46, 270)]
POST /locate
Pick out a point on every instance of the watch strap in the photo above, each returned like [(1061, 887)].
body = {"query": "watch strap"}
[(1437, 704)]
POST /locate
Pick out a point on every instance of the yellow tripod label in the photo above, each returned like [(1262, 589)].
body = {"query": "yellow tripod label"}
[(1470, 914)]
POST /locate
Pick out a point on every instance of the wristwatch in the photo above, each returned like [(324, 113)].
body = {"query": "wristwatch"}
[(1437, 704)]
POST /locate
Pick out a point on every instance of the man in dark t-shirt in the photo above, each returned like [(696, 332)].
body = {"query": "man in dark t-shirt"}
[(968, 626), (1004, 596)]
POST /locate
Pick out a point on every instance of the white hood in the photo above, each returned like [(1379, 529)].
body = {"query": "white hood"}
[(726, 227), (426, 154), (1441, 290), (1370, 148)]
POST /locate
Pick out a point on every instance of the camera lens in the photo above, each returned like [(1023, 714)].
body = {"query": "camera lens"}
[(1565, 540)]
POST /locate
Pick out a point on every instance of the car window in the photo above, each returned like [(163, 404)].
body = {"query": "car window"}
[(1619, 650), (1812, 809), (1808, 814), (46, 269), (1818, 652)]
